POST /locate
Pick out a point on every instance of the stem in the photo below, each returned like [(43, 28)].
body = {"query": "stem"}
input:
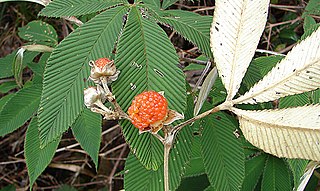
[(112, 99), (167, 148)]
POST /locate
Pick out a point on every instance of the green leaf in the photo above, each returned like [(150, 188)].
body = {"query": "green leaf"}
[(315, 96), (309, 26), (196, 29), (62, 8), (218, 92), (194, 67), (210, 188), (194, 183), (297, 166), (195, 166), (223, 154), (19, 109), (276, 175), (4, 100), (67, 70), (147, 61), (254, 168), (6, 65), (167, 3), (38, 68), (258, 68), (312, 8), (37, 159), (39, 32), (153, 3), (9, 188), (87, 131), (294, 100), (137, 178), (7, 86)]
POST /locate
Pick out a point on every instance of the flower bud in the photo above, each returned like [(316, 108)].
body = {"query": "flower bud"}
[(102, 67), (91, 96)]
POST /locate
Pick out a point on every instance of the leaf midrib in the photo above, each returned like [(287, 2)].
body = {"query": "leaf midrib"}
[(272, 86)]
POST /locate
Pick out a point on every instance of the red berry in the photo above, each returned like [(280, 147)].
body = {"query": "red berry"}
[(148, 108), (101, 62)]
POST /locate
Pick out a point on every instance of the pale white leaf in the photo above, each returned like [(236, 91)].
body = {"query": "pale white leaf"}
[(235, 32), (290, 133), (304, 179), (298, 72), (205, 90)]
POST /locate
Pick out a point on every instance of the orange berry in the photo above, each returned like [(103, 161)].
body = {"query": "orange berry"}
[(101, 62), (148, 108)]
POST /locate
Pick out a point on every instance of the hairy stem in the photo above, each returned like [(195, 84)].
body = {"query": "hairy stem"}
[(112, 99), (167, 148)]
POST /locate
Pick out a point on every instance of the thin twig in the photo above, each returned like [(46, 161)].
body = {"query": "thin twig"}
[(115, 167)]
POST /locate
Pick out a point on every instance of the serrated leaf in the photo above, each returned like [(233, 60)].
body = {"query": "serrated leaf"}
[(7, 86), (19, 109), (231, 45), (276, 175), (194, 67), (167, 3), (87, 131), (258, 68), (6, 65), (307, 175), (67, 70), (37, 159), (194, 183), (312, 8), (153, 3), (294, 100), (137, 178), (39, 32), (298, 72), (62, 8), (205, 90), (4, 100), (254, 169), (223, 154), (195, 28), (297, 167), (290, 133), (309, 26), (195, 165), (147, 61)]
